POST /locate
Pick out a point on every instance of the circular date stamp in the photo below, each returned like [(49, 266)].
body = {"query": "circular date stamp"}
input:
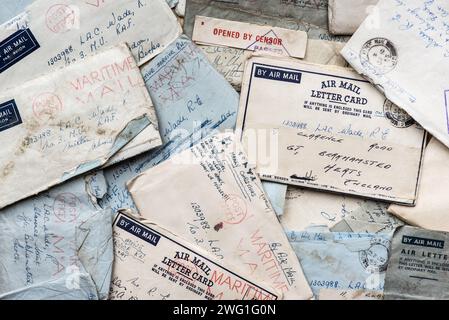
[(60, 18), (380, 55), (67, 207), (235, 209), (46, 106), (398, 117), (375, 258)]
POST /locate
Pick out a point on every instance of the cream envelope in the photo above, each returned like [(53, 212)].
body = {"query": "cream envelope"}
[(295, 15), (11, 8), (345, 16), (305, 208), (53, 35), (312, 18), (210, 196), (68, 122), (324, 127), (432, 208), (405, 55), (418, 267), (150, 263), (251, 37)]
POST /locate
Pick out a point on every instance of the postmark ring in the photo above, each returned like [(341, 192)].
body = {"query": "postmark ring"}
[(398, 117), (380, 55)]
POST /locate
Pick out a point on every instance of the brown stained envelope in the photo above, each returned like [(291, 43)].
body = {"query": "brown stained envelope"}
[(326, 128)]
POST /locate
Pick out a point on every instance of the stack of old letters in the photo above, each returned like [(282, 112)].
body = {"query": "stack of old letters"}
[(236, 149)]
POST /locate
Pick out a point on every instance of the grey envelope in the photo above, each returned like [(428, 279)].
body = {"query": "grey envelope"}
[(419, 265)]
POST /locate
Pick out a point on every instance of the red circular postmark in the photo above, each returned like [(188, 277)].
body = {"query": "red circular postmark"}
[(46, 105), (60, 18), (67, 207), (236, 209)]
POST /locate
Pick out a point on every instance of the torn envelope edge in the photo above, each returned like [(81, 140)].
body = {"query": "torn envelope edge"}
[(131, 130), (296, 40), (182, 242)]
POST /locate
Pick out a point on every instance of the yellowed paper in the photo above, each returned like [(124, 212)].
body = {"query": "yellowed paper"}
[(210, 196), (326, 128), (431, 210)]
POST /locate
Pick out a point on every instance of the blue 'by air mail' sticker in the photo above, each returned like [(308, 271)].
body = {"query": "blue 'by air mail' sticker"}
[(143, 233), (278, 74), (16, 47), (9, 115)]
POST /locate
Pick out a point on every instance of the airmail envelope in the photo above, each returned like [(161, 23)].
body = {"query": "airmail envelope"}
[(226, 212), (153, 264), (345, 16), (432, 207), (252, 37), (68, 122), (334, 260), (326, 128), (54, 239), (52, 34), (306, 208), (418, 266), (391, 55), (191, 100)]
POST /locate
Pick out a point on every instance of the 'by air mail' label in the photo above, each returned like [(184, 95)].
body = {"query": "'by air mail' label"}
[(9, 115), (423, 242), (278, 74), (139, 231), (16, 47)]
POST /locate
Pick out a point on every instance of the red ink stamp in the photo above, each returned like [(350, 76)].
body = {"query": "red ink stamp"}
[(46, 105), (236, 209), (60, 18), (67, 207)]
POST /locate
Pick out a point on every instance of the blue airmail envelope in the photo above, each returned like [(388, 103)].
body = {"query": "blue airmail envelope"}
[(69, 31), (326, 128), (342, 261), (57, 245), (389, 49), (191, 99)]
